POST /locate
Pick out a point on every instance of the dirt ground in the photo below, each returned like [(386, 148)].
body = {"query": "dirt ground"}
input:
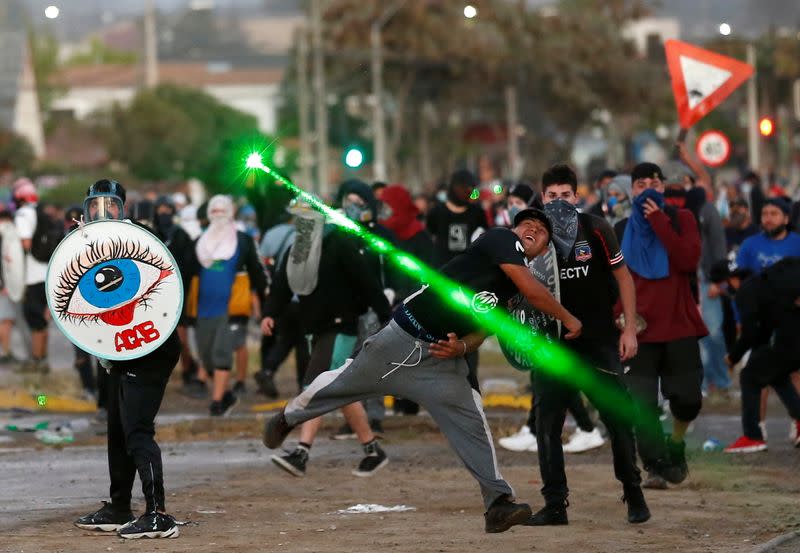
[(723, 507)]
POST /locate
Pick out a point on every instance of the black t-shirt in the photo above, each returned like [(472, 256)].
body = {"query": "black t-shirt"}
[(452, 232), (588, 288), (477, 269)]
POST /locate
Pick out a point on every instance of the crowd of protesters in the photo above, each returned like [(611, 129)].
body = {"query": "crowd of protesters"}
[(711, 270)]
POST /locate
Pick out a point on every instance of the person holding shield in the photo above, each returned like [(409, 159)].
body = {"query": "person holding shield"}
[(136, 386)]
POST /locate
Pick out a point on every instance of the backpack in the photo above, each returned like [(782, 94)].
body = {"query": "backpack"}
[(49, 232)]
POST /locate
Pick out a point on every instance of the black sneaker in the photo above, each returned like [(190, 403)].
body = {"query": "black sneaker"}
[(374, 460), (266, 384), (275, 431), (377, 428), (239, 388), (344, 433), (224, 407), (503, 514), (676, 470), (637, 507), (106, 519), (405, 407), (294, 463), (150, 525), (549, 515)]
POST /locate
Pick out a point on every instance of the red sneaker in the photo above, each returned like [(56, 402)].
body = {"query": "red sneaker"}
[(746, 445)]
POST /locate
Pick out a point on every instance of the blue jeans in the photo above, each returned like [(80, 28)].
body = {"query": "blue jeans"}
[(712, 347)]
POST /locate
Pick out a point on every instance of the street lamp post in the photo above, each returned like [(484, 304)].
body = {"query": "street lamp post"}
[(378, 128)]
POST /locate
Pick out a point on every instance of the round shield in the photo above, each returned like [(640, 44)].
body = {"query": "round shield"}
[(114, 290), (13, 262)]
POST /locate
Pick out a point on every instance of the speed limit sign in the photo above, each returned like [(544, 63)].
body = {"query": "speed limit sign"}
[(713, 148)]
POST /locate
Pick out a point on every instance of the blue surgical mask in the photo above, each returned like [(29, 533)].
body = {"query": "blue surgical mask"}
[(441, 195), (512, 212), (612, 201)]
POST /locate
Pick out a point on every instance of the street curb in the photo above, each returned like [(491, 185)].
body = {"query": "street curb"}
[(489, 400), (21, 399), (775, 542)]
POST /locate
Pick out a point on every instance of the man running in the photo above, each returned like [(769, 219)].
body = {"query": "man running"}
[(419, 355)]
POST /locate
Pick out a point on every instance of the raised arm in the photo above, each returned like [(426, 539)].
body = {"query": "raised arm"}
[(539, 298)]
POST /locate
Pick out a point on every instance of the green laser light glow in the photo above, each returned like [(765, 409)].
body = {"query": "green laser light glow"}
[(475, 194), (254, 161), (41, 400), (551, 358)]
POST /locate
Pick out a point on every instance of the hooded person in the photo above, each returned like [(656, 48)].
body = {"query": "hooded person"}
[(661, 244), (454, 223), (334, 283), (359, 203), (619, 199), (229, 271), (402, 219), (520, 197), (179, 243)]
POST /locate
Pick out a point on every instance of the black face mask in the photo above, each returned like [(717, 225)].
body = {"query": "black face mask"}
[(164, 221), (455, 199), (777, 231)]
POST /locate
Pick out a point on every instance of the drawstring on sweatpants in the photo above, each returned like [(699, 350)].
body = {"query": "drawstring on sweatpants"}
[(417, 346)]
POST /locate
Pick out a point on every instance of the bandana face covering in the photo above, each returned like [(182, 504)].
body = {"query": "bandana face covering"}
[(564, 218)]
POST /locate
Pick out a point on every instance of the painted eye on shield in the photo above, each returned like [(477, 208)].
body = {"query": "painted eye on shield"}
[(109, 282)]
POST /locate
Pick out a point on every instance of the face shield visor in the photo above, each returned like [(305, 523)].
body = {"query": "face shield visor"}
[(101, 208)]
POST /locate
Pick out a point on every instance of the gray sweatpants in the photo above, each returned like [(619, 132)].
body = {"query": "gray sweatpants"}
[(392, 362)]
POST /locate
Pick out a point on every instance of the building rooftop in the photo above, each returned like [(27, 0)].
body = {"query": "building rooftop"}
[(188, 74)]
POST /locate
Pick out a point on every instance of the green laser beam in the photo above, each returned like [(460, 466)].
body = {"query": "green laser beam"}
[(547, 356)]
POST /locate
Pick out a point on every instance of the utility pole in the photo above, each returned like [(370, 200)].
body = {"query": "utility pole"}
[(150, 46), (378, 118), (306, 160), (753, 143), (320, 100), (378, 129), (514, 164)]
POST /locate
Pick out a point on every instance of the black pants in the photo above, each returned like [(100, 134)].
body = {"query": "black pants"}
[(134, 397), (575, 406), (84, 365), (288, 334), (551, 401), (677, 367), (768, 366)]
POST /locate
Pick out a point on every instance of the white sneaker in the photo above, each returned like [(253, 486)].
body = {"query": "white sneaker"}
[(524, 440), (582, 441)]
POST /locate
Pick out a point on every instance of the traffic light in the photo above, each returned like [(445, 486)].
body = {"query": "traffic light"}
[(354, 158), (766, 126)]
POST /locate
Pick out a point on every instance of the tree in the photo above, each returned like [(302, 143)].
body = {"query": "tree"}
[(444, 73), (172, 131), (16, 153), (44, 53), (99, 53)]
